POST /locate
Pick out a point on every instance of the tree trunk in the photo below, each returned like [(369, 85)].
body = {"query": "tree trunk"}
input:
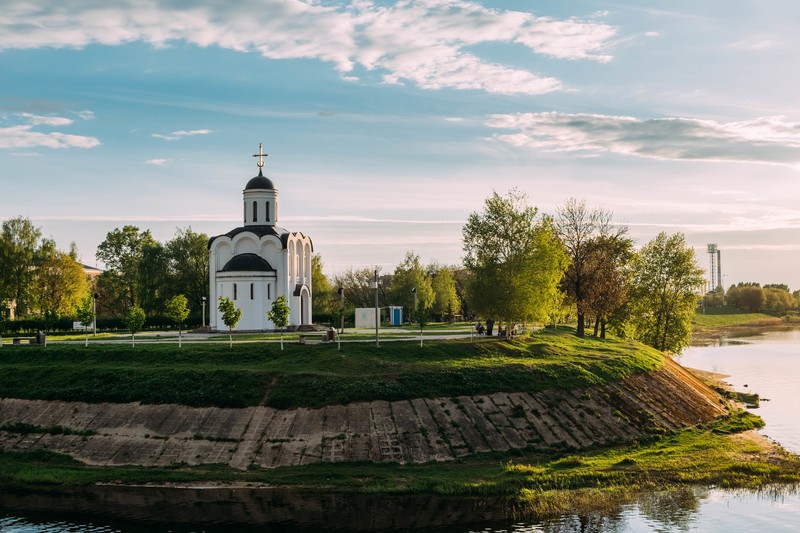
[(581, 325), (596, 325), (602, 329)]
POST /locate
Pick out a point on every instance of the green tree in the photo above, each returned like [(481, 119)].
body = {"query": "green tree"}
[(230, 316), (410, 275), (18, 244), (515, 259), (665, 286), (324, 299), (134, 321), (85, 314), (445, 296), (59, 281), (123, 252), (187, 257), (177, 309), (279, 314)]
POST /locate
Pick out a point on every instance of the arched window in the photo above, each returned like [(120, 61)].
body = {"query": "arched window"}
[(234, 291), (252, 291), (269, 291), (255, 211), (267, 211)]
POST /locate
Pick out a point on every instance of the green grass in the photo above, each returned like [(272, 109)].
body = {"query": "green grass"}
[(716, 317), (711, 455), (312, 376)]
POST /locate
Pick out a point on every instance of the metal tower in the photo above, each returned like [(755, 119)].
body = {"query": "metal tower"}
[(715, 270)]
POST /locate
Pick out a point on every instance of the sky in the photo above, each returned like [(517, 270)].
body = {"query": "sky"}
[(388, 122)]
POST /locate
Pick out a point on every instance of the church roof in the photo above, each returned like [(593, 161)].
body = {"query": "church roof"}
[(259, 182), (259, 231), (248, 263)]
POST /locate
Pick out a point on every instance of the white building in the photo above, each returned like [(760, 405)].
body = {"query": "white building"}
[(256, 263)]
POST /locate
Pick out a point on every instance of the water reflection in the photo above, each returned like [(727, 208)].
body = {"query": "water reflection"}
[(135, 510)]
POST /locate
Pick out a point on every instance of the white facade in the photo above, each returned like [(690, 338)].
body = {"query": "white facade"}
[(256, 263)]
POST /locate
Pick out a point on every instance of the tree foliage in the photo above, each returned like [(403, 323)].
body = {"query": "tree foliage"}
[(59, 281), (123, 252), (18, 244), (230, 315), (408, 277), (134, 321), (515, 259), (356, 285), (446, 303), (187, 260), (595, 248), (665, 285), (323, 298), (279, 314), (177, 309)]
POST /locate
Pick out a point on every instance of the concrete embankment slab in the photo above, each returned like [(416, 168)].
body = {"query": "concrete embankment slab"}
[(414, 431)]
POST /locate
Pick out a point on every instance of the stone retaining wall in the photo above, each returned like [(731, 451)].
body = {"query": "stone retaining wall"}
[(414, 431)]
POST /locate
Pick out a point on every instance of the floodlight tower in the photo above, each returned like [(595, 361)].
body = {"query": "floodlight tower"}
[(715, 272)]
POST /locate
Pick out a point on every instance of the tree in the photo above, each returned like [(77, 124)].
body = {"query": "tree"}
[(606, 260), (230, 316), (323, 297), (85, 314), (356, 285), (578, 228), (123, 251), (410, 275), (176, 308), (134, 321), (445, 297), (187, 259), (515, 259), (279, 314), (18, 243), (59, 281), (665, 286)]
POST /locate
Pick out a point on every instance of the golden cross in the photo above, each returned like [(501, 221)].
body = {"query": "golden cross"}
[(260, 155)]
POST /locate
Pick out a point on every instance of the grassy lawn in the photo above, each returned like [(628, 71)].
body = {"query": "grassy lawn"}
[(312, 376), (716, 317)]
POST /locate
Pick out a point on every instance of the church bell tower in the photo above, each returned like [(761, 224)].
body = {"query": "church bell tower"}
[(260, 197)]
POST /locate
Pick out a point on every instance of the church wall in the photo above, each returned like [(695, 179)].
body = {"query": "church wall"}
[(254, 310), (244, 244)]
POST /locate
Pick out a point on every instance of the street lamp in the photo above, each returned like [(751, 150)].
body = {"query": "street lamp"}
[(203, 320), (341, 309), (414, 290), (94, 314), (374, 285)]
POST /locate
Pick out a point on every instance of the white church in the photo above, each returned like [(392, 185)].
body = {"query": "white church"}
[(259, 261)]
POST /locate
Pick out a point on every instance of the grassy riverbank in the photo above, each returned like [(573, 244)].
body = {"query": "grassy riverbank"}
[(203, 375), (719, 454)]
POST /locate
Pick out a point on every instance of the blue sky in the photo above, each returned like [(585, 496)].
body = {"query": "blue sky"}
[(387, 123)]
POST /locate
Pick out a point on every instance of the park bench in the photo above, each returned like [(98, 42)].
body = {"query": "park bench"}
[(39, 338)]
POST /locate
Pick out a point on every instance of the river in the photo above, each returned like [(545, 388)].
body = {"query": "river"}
[(768, 364)]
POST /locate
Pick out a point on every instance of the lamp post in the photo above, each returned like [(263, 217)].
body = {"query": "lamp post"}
[(414, 290), (94, 314), (203, 320), (374, 285), (341, 309)]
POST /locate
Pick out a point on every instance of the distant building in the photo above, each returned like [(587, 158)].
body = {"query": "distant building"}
[(259, 261)]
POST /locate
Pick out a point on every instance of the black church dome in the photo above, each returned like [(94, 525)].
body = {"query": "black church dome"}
[(259, 182)]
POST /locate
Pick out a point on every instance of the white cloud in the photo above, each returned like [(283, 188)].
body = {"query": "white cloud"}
[(85, 115), (180, 134), (419, 41), (22, 136), (157, 162), (762, 140), (38, 120), (652, 34)]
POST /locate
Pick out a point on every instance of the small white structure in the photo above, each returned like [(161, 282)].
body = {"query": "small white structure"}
[(365, 317), (256, 263)]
